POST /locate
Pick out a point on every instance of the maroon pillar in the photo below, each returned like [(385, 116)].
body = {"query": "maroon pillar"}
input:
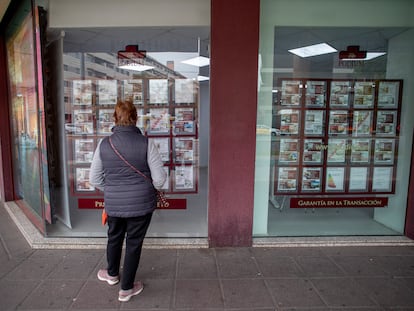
[(233, 98)]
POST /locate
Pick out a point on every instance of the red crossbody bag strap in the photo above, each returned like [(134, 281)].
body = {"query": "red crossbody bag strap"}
[(126, 162)]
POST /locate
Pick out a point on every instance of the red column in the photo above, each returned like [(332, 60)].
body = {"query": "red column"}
[(233, 98)]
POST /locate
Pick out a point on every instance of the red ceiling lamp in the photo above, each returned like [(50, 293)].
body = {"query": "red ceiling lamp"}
[(352, 53), (133, 59)]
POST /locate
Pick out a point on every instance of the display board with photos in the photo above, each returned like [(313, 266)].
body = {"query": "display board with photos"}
[(167, 114), (336, 136)]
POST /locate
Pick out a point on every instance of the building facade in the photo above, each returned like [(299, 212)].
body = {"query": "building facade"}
[(263, 134)]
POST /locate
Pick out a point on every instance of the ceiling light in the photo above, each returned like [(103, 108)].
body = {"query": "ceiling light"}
[(199, 61), (369, 56), (313, 50), (202, 78), (136, 67)]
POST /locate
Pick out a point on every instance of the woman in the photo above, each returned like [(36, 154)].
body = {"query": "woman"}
[(130, 198)]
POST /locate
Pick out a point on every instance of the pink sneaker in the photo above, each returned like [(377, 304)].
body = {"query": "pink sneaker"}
[(104, 276), (125, 295)]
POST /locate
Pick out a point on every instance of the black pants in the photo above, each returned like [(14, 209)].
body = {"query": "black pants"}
[(135, 229)]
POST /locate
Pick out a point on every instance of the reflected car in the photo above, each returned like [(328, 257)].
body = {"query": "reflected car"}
[(266, 130)]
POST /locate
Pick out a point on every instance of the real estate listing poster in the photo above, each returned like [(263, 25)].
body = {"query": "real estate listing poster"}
[(311, 179), (289, 121), (388, 94), (105, 121), (291, 92), (315, 93), (340, 91), (364, 92), (386, 122), (184, 91), (358, 179), (184, 178), (83, 120), (82, 92), (163, 146), (382, 179), (336, 150), (314, 122), (82, 179), (159, 121), (158, 91), (338, 122), (289, 151), (313, 151), (287, 179), (335, 179), (107, 92), (362, 123), (360, 150), (84, 149), (384, 151), (184, 121), (183, 150)]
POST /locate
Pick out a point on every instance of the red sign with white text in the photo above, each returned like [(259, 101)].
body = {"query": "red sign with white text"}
[(352, 202), (98, 203)]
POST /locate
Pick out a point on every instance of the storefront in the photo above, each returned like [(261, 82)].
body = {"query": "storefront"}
[(311, 146)]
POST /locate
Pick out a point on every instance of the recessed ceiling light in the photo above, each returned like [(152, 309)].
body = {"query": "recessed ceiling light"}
[(202, 78), (136, 67), (313, 50), (199, 61), (370, 55)]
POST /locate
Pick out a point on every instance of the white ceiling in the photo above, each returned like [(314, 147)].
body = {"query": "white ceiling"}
[(151, 39)]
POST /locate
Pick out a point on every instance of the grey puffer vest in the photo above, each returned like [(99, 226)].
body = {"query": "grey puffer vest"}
[(127, 193)]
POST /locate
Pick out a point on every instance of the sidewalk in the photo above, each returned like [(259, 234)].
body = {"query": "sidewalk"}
[(201, 279)]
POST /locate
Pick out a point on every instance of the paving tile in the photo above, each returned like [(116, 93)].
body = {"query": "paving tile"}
[(306, 309), (236, 263), (13, 292), (359, 265), (245, 293), (36, 269), (333, 309), (294, 292), (52, 294), (158, 263), (77, 264), (289, 251), (196, 264), (319, 266), (274, 266), (396, 265), (198, 294), (368, 250), (342, 292), (7, 265), (409, 281), (96, 295), (49, 253), (157, 294), (388, 291)]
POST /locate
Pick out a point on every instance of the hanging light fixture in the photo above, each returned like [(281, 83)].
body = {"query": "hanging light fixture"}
[(133, 59)]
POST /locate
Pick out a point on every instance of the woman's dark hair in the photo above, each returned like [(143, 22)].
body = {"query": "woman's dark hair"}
[(125, 113)]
